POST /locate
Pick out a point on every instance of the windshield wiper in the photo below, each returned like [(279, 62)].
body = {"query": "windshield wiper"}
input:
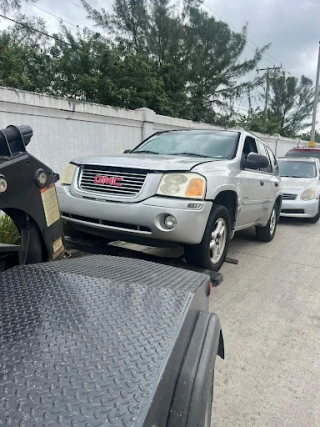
[(144, 152), (294, 176), (188, 154)]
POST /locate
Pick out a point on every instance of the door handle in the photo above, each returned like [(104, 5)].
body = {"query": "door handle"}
[(261, 183)]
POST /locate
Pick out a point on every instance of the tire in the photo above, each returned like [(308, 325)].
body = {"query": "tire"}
[(210, 254), (315, 219), (267, 233)]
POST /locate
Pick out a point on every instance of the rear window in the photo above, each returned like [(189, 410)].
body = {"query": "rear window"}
[(303, 153)]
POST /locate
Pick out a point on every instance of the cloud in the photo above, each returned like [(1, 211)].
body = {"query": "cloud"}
[(292, 26)]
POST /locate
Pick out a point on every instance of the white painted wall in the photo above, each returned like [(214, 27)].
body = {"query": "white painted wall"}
[(65, 129)]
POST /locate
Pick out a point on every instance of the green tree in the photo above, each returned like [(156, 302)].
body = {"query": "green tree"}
[(256, 121), (24, 62), (215, 66), (25, 33), (290, 107), (292, 102), (196, 57), (90, 69), (149, 30), (307, 136), (10, 5)]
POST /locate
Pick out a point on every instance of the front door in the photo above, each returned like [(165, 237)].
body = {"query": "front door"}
[(253, 190)]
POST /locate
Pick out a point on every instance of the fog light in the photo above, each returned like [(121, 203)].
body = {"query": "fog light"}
[(3, 184), (40, 177), (170, 222)]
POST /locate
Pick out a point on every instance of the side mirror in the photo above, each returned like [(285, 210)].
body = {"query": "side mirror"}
[(127, 151), (256, 161)]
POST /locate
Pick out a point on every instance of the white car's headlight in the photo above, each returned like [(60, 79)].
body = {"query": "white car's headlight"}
[(308, 194), (67, 174), (185, 185)]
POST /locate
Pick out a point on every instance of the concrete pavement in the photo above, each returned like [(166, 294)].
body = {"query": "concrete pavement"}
[(269, 307)]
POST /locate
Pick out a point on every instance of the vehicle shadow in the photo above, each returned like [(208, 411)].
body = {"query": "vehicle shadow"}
[(298, 222)]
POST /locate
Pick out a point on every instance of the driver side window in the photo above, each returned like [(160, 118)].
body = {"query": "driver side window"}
[(250, 146)]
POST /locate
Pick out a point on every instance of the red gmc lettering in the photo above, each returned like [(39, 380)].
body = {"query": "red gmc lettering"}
[(108, 180)]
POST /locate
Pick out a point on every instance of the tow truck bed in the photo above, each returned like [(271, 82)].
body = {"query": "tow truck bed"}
[(105, 341)]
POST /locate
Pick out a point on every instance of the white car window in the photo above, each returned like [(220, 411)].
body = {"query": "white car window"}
[(297, 169)]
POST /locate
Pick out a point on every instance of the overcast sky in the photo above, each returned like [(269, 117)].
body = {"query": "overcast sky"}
[(292, 26)]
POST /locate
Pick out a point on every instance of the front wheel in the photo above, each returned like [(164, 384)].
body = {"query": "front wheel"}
[(267, 233), (212, 251)]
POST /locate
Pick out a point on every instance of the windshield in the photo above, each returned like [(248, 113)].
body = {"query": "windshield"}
[(304, 153), (215, 144), (297, 169)]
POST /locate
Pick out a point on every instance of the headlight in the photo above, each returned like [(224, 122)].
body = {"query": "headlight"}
[(67, 174), (189, 185), (308, 194)]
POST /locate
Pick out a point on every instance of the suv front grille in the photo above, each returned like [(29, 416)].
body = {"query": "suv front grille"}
[(287, 196), (112, 181)]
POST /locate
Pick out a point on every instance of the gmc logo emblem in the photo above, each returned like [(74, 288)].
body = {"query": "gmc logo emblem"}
[(108, 180)]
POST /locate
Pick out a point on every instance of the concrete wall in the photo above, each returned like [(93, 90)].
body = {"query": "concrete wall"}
[(64, 129)]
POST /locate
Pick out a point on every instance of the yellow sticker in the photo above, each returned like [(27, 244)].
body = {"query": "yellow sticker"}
[(311, 144), (57, 247), (50, 204)]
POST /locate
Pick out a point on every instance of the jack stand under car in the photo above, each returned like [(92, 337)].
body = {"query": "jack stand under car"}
[(98, 340)]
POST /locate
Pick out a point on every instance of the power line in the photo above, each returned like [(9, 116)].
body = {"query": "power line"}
[(226, 22), (34, 29), (76, 4), (52, 14)]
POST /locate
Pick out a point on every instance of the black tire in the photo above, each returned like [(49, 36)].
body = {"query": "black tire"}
[(315, 219), (267, 233), (200, 255)]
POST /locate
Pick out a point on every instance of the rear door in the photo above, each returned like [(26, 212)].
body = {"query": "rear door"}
[(253, 189)]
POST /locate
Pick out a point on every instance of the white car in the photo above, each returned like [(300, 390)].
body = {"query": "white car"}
[(301, 187)]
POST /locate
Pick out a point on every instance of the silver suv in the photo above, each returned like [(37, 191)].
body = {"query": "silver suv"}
[(195, 188)]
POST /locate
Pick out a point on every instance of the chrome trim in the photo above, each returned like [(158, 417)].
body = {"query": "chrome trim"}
[(117, 195)]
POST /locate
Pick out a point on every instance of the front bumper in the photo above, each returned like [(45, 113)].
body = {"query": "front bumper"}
[(300, 208), (143, 220)]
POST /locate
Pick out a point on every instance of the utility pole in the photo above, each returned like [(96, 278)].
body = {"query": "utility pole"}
[(315, 106), (267, 86)]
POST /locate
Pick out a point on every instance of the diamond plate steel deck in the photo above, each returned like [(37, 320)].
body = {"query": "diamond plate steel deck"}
[(129, 271), (85, 342)]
